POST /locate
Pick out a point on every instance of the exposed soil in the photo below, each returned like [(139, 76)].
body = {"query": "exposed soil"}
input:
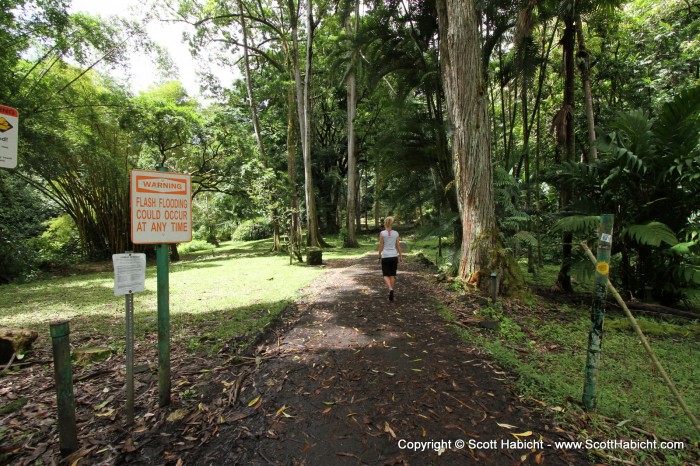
[(346, 378)]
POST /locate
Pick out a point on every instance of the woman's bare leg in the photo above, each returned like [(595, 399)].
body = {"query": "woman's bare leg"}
[(389, 283)]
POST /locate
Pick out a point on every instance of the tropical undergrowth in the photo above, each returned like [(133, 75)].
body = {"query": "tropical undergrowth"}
[(543, 344)]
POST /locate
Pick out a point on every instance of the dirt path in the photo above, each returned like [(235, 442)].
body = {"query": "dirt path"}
[(352, 378)]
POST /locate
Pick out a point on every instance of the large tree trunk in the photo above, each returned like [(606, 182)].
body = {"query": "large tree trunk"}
[(295, 223), (377, 205), (584, 67), (465, 92), (526, 162), (304, 111), (351, 222), (276, 244), (568, 43), (249, 87)]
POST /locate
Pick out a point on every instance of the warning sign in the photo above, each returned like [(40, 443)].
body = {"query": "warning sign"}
[(161, 207), (9, 129)]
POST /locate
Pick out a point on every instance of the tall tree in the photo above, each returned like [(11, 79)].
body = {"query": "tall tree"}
[(351, 28), (566, 136), (249, 85), (466, 95), (303, 92)]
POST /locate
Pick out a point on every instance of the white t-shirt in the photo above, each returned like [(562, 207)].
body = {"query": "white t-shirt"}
[(390, 239)]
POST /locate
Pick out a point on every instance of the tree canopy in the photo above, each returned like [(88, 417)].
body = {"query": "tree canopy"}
[(346, 112)]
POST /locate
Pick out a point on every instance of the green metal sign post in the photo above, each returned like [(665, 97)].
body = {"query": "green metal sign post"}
[(162, 256), (162, 252), (595, 335)]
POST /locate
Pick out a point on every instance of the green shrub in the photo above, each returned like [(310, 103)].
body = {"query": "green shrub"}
[(254, 229), (59, 244), (194, 246), (18, 260)]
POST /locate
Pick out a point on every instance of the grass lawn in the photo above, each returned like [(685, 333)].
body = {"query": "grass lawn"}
[(216, 295)]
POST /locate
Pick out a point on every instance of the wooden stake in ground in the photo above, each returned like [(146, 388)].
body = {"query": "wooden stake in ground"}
[(647, 347), (595, 335)]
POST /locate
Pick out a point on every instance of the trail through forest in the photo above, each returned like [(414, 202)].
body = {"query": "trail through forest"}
[(356, 379), (346, 377)]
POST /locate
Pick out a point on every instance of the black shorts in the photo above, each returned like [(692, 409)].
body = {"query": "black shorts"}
[(389, 266)]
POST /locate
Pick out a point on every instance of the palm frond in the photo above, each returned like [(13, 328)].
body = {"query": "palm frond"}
[(650, 234), (688, 273), (442, 229), (526, 237), (576, 224), (687, 248)]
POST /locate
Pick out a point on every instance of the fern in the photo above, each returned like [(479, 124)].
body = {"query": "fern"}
[(582, 270), (650, 234), (576, 224), (526, 237)]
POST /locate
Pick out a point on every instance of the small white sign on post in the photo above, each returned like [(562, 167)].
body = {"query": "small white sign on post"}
[(129, 273), (9, 131), (161, 207)]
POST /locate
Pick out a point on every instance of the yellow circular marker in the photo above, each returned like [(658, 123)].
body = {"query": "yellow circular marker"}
[(603, 268)]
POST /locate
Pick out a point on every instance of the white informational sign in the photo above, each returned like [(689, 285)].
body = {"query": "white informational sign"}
[(129, 273), (161, 207), (9, 131)]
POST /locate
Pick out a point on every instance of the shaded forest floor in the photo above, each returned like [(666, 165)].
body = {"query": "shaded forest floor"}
[(346, 377)]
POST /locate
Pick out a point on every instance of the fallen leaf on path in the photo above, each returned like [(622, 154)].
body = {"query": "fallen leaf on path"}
[(281, 410), (129, 446), (506, 426), (238, 416), (307, 446), (454, 426), (524, 434), (254, 401), (177, 415), (104, 403), (389, 430)]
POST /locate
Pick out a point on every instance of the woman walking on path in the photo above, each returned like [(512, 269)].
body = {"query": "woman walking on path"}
[(389, 254)]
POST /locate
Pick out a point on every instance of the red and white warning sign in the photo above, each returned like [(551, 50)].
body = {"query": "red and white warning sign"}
[(9, 130), (161, 207)]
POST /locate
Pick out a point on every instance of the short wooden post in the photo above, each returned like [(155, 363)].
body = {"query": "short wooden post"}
[(63, 374), (314, 256)]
